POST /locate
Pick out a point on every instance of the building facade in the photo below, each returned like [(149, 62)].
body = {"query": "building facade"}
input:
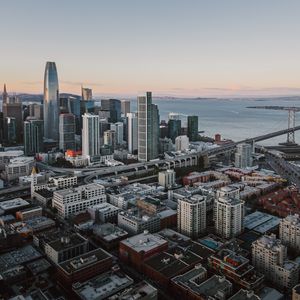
[(90, 135)]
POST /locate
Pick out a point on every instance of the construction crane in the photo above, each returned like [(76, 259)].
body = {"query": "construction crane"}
[(291, 118)]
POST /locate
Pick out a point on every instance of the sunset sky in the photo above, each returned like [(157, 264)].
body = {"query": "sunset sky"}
[(172, 47)]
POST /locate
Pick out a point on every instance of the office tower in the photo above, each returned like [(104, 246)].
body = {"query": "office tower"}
[(269, 257), (191, 216), (125, 107), (174, 129), (165, 145), (4, 96), (67, 131), (192, 128), (110, 139), (132, 124), (86, 94), (90, 135), (12, 108), (289, 232), (163, 129), (148, 128), (104, 125), (10, 130), (119, 130), (243, 157), (51, 102), (1, 128), (228, 213), (33, 136), (114, 107), (71, 104), (182, 143)]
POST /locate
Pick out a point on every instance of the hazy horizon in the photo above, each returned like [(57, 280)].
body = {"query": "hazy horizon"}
[(197, 48)]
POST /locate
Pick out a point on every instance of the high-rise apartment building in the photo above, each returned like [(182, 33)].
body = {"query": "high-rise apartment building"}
[(110, 139), (228, 213), (132, 125), (119, 130), (90, 135), (10, 130), (67, 129), (86, 94), (289, 232), (182, 143), (192, 128), (243, 157), (269, 256), (125, 107), (148, 128), (191, 216), (167, 178), (33, 136), (51, 102)]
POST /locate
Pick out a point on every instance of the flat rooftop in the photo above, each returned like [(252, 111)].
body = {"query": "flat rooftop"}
[(13, 204), (102, 286), (85, 260), (261, 222), (109, 232), (144, 242), (68, 242), (38, 266), (18, 257)]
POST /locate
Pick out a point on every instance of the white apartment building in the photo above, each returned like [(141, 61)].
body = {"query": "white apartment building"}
[(17, 167), (90, 135), (191, 215), (228, 213), (269, 257), (73, 200), (243, 156), (182, 143), (167, 178), (132, 126), (289, 232)]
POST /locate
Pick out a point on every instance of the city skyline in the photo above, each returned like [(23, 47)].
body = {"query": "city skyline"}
[(255, 53)]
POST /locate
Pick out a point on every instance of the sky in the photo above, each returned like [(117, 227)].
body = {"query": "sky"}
[(193, 48)]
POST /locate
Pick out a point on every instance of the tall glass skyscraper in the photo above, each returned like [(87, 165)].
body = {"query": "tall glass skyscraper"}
[(192, 128), (33, 136), (51, 102), (148, 128)]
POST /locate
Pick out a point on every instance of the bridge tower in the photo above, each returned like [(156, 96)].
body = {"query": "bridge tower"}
[(291, 125)]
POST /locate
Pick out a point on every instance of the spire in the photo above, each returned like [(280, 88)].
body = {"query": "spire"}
[(4, 90), (4, 95)]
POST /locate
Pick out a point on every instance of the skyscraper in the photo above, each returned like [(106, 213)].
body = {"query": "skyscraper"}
[(4, 96), (174, 129), (119, 129), (33, 136), (67, 131), (148, 128), (243, 157), (132, 133), (10, 130), (192, 128), (90, 135), (114, 107), (110, 139), (86, 94), (125, 107), (51, 102)]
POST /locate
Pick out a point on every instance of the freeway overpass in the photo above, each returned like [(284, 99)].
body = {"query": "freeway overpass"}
[(178, 161)]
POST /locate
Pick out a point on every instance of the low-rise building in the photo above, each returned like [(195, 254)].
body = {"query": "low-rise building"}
[(109, 235), (19, 166), (104, 213), (66, 248), (136, 249), (29, 213), (14, 205), (102, 286), (134, 222), (83, 267), (71, 201)]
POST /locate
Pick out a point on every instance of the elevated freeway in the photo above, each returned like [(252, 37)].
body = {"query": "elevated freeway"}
[(185, 160)]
